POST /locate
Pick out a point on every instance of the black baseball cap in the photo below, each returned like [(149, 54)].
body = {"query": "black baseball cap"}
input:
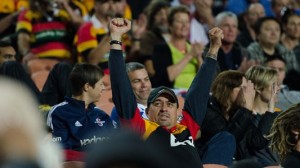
[(155, 93)]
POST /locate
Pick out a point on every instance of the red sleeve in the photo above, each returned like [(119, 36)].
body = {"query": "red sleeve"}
[(188, 121), (71, 155), (137, 123)]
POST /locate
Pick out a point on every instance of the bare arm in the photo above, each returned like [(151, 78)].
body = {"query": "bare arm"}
[(98, 53), (6, 21), (76, 19)]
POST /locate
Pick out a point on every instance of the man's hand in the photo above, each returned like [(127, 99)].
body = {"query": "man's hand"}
[(215, 36), (119, 26)]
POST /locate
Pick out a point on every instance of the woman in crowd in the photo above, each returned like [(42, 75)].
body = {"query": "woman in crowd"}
[(176, 62), (229, 108), (265, 82)]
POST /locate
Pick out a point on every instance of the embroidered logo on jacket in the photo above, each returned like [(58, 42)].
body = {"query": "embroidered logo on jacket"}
[(78, 124), (99, 122)]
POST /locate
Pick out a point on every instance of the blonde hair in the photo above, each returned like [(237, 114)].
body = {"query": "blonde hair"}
[(261, 76)]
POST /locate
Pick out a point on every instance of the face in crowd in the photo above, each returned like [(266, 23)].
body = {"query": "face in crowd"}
[(7, 53), (255, 11), (141, 85), (292, 27), (230, 29), (269, 34), (163, 111)]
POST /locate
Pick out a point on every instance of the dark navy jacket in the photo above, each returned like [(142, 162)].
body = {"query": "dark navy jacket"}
[(76, 127)]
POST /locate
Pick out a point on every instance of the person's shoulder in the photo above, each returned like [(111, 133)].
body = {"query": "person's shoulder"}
[(100, 112), (85, 26), (58, 108)]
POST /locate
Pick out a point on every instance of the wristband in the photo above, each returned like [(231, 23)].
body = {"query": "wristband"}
[(115, 42)]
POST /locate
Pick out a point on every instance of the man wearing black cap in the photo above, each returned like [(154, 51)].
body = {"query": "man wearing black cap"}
[(162, 102)]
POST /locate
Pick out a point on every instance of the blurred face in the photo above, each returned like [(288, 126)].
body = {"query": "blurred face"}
[(292, 28), (255, 12), (7, 54), (96, 91), (280, 67), (120, 7), (161, 19), (163, 112), (279, 4), (106, 9), (230, 30), (236, 91), (269, 33), (140, 84), (180, 27)]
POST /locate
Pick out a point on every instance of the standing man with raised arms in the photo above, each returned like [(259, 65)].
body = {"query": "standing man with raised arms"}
[(162, 103)]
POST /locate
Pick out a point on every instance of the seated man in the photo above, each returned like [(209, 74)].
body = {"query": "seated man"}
[(162, 103), (141, 86), (76, 122)]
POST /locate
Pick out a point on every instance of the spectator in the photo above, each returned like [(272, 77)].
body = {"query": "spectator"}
[(232, 55), (229, 108), (247, 35), (92, 37), (291, 32), (277, 6), (157, 32), (9, 11), (286, 97), (43, 32), (268, 31), (22, 134), (265, 81), (7, 52), (9, 67), (76, 121), (201, 18), (285, 137), (163, 103), (141, 86), (176, 62)]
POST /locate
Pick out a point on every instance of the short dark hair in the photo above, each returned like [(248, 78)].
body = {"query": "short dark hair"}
[(276, 57), (133, 66), (84, 73), (262, 20), (5, 43)]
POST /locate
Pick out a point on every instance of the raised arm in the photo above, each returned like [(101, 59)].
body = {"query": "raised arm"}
[(198, 93), (122, 93)]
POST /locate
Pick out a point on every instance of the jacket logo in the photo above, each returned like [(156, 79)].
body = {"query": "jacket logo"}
[(78, 124), (99, 122), (174, 142)]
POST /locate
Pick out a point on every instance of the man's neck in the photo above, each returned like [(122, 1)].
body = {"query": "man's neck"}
[(227, 47), (82, 98), (289, 42), (268, 48)]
